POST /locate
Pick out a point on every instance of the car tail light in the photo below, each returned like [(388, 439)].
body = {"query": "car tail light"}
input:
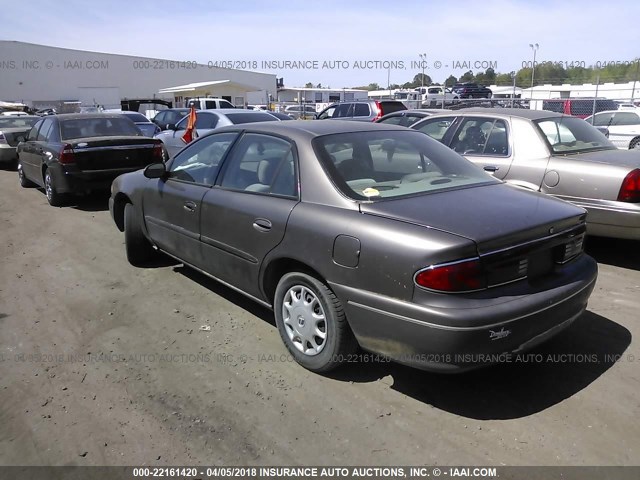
[(630, 189), (157, 151), (378, 108), (2, 139), (461, 276), (66, 155)]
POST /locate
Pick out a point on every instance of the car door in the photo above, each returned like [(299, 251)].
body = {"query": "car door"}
[(172, 205), (245, 215), (624, 127), (485, 142), (172, 139), (27, 150), (41, 152)]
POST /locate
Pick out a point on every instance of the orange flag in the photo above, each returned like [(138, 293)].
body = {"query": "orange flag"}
[(191, 133)]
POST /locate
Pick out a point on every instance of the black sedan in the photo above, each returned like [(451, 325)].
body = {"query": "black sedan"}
[(79, 153), (364, 235)]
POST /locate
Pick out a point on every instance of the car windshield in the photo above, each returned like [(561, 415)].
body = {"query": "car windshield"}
[(17, 122), (378, 165), (567, 135), (98, 127)]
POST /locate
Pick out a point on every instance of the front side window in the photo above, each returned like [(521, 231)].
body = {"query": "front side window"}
[(481, 136), (625, 118), (566, 135), (200, 162), (375, 165), (263, 164)]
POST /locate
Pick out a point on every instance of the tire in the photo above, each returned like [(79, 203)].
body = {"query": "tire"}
[(296, 323), (139, 250), (635, 143), (54, 198), (24, 181)]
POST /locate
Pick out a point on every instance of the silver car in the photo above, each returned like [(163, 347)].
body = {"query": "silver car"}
[(207, 121), (552, 153)]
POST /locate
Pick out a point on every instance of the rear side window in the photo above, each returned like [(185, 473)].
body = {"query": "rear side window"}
[(481, 136), (45, 130), (390, 107), (343, 110), (361, 110), (553, 106)]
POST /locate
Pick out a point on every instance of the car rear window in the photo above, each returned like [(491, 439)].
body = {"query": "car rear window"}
[(375, 165), (390, 107), (136, 117), (245, 117), (98, 127)]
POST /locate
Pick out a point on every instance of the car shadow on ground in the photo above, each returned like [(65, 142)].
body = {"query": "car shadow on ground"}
[(94, 202), (526, 385), (615, 252), (228, 294)]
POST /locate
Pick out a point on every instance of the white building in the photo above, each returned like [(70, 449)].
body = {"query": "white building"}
[(43, 76), (319, 95), (612, 91)]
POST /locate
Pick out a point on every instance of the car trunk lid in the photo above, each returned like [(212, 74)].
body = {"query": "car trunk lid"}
[(113, 153)]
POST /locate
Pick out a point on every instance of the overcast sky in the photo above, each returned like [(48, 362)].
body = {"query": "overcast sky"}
[(356, 33)]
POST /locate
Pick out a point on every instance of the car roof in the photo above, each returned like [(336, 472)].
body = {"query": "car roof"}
[(508, 112), (80, 116), (317, 127)]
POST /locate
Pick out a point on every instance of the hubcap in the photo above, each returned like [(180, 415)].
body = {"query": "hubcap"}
[(47, 185), (304, 320)]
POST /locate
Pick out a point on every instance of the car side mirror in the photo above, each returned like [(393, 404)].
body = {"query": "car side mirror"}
[(155, 170)]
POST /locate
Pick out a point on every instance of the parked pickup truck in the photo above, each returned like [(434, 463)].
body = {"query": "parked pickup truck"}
[(80, 153), (434, 95)]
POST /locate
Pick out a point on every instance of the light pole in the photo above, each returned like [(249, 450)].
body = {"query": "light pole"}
[(423, 58), (534, 47)]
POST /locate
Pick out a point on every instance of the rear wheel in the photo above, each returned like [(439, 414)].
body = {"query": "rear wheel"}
[(635, 143), (139, 249), (54, 198), (24, 181), (312, 322)]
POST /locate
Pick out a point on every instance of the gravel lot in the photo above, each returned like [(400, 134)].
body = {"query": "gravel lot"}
[(102, 363)]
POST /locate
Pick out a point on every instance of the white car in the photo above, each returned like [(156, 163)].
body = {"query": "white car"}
[(433, 96), (14, 114), (623, 126)]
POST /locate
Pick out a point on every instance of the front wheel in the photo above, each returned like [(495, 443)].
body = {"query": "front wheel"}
[(139, 249), (312, 323), (635, 143)]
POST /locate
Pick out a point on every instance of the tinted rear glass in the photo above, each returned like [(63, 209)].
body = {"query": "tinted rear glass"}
[(98, 127), (390, 107), (244, 117), (136, 117)]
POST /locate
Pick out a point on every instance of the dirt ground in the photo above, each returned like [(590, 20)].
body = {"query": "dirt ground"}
[(102, 363)]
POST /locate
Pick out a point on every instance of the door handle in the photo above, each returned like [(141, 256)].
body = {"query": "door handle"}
[(190, 206), (491, 168), (262, 224)]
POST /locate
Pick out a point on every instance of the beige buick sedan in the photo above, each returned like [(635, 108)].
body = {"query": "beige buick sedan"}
[(552, 153)]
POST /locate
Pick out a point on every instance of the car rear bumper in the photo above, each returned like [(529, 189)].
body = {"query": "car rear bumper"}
[(616, 221), (69, 180), (459, 339), (8, 154)]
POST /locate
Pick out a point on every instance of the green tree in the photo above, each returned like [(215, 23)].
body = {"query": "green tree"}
[(451, 81), (308, 85), (467, 77)]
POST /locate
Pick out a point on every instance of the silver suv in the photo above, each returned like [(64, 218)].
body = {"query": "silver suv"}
[(361, 110)]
